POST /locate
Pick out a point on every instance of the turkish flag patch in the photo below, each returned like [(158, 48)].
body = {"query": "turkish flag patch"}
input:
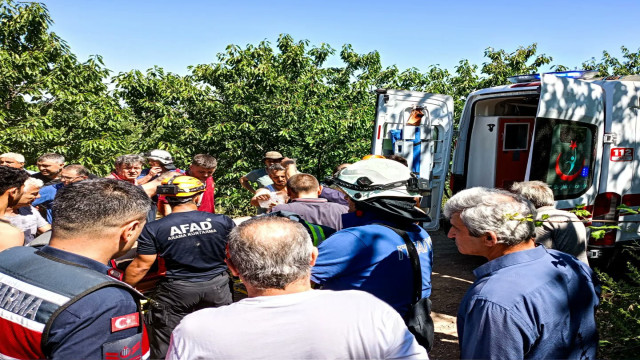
[(125, 322)]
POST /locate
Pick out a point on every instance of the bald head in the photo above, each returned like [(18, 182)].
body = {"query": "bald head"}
[(270, 252)]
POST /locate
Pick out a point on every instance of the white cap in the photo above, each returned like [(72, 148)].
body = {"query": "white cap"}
[(372, 172)]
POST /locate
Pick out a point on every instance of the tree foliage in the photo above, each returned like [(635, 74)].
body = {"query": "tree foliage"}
[(51, 102), (269, 96)]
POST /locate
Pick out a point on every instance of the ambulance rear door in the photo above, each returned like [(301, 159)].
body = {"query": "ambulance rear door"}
[(419, 127), (568, 139)]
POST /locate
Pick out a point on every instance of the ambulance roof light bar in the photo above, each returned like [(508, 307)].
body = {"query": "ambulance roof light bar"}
[(573, 74)]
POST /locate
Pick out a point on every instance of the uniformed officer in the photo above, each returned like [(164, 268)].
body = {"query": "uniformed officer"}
[(58, 302), (191, 246)]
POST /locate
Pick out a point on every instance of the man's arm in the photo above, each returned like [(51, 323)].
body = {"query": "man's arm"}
[(84, 329), (244, 181), (138, 268), (489, 331), (44, 229), (261, 194), (10, 236)]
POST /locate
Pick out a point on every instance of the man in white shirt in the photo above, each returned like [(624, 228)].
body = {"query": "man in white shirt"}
[(283, 318)]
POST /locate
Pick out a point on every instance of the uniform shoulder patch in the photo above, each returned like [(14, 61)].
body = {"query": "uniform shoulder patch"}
[(125, 322)]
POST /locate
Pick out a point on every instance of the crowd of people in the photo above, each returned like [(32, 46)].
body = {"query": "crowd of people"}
[(333, 269)]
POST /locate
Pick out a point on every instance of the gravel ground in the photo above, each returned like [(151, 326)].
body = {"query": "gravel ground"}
[(452, 275)]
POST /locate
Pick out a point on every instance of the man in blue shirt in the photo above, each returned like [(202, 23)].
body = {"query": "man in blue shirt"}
[(69, 174), (527, 301), (191, 247), (369, 256), (59, 302)]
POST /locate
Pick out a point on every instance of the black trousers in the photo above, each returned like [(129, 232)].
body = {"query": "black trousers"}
[(174, 299)]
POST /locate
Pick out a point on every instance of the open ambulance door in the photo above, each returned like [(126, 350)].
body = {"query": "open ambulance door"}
[(419, 127), (568, 139)]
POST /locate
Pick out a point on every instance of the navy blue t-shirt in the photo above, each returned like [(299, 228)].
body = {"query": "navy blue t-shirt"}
[(191, 243)]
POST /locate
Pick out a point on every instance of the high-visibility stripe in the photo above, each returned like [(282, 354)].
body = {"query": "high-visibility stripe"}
[(19, 342), (50, 296), (322, 236), (313, 233)]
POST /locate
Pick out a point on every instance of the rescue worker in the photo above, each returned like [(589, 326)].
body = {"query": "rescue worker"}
[(59, 301), (191, 247), (369, 253)]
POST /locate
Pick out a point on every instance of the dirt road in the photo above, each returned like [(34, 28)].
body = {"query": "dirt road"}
[(452, 275)]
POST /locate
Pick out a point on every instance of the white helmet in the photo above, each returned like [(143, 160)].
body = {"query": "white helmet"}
[(160, 155), (376, 178)]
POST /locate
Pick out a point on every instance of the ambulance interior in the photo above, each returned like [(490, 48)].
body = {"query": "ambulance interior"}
[(501, 145)]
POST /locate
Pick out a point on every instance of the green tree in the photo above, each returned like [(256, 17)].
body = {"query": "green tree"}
[(51, 102), (503, 65), (284, 99), (609, 65)]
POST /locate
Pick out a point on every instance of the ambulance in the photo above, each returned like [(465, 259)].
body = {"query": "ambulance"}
[(572, 130)]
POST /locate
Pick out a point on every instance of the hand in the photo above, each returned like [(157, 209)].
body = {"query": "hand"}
[(154, 171), (262, 197)]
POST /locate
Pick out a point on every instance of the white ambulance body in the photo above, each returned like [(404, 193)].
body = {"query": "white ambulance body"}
[(576, 134)]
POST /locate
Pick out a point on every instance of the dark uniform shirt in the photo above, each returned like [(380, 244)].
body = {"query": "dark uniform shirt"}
[(191, 243), (83, 330)]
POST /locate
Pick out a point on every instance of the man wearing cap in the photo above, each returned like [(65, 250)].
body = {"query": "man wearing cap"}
[(190, 245), (371, 256), (261, 176), (160, 161)]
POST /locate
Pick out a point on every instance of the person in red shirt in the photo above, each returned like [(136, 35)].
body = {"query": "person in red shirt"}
[(202, 168)]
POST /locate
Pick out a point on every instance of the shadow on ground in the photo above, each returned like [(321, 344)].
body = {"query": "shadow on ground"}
[(452, 276)]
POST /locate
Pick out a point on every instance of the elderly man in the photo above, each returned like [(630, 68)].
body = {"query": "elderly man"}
[(59, 301), (26, 217), (527, 302), (273, 257), (50, 165), (11, 189), (14, 160), (560, 230), (261, 176), (303, 191), (69, 174), (127, 168)]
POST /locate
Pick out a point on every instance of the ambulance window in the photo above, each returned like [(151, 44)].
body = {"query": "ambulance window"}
[(563, 156), (516, 137)]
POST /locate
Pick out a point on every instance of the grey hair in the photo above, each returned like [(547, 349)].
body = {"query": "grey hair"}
[(36, 183), (483, 210), (270, 252), (52, 157), (15, 156), (129, 160), (539, 193)]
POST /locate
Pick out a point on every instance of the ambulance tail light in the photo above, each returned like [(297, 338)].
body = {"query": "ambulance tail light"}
[(606, 213)]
